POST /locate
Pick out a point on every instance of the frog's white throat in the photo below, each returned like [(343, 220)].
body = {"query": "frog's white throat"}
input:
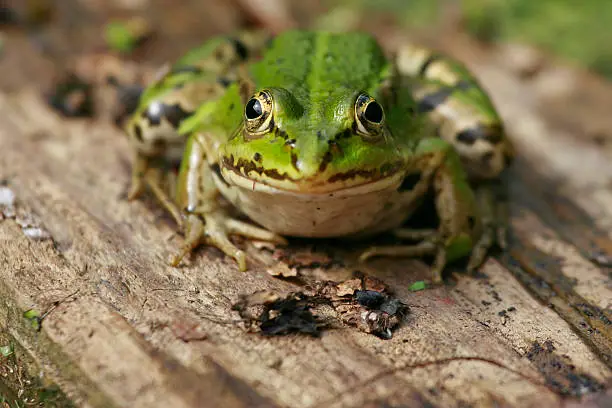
[(354, 210)]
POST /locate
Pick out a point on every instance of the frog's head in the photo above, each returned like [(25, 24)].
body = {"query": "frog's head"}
[(289, 142)]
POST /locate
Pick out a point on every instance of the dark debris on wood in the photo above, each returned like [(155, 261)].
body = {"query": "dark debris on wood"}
[(363, 303)]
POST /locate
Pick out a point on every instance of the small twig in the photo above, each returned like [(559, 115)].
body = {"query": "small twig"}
[(424, 364)]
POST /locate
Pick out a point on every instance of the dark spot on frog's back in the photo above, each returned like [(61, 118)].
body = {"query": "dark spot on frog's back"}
[(173, 113), (469, 136), (137, 132), (257, 157), (431, 59), (492, 134), (431, 101), (224, 82), (241, 50)]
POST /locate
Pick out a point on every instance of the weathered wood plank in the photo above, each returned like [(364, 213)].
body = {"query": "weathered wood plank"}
[(509, 336)]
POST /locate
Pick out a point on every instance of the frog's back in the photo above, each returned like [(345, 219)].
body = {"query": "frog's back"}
[(319, 64)]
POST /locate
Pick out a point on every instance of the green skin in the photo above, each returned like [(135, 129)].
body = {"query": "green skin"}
[(323, 136)]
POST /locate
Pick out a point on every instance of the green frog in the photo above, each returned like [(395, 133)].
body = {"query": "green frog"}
[(322, 134)]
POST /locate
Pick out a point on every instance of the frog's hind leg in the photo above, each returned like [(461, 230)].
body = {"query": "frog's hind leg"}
[(455, 205), (493, 210), (155, 179), (463, 115), (205, 220)]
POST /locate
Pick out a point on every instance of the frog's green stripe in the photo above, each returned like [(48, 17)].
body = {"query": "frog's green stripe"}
[(464, 94), (466, 90)]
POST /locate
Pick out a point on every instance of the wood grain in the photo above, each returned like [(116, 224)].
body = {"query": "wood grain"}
[(532, 329)]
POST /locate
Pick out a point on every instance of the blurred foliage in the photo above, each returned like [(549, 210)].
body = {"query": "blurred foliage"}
[(575, 30), (119, 37)]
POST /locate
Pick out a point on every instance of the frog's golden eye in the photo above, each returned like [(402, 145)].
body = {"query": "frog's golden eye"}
[(369, 117), (258, 114)]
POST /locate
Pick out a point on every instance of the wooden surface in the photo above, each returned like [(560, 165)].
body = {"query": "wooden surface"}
[(532, 329)]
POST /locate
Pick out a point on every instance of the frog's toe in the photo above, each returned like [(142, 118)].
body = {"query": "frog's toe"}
[(415, 234), (417, 250), (194, 232), (502, 236), (225, 245), (215, 229), (216, 233), (430, 245), (427, 247), (251, 231), (135, 190), (481, 248)]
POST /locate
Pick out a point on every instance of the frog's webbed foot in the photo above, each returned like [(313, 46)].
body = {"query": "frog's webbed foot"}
[(429, 244), (214, 228)]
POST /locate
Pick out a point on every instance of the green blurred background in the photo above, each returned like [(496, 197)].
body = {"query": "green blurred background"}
[(579, 31)]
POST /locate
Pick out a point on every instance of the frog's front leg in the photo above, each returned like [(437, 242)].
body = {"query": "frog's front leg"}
[(205, 220), (441, 170), (140, 164)]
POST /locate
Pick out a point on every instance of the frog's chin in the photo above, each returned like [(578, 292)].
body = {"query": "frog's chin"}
[(345, 187)]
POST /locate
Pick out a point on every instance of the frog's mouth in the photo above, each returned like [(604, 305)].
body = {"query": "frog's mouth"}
[(349, 183)]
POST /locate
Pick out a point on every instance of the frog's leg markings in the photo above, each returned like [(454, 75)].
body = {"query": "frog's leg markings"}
[(492, 209), (205, 220), (240, 48), (477, 133), (174, 113), (157, 115), (440, 168), (433, 57), (138, 132), (467, 119), (432, 101)]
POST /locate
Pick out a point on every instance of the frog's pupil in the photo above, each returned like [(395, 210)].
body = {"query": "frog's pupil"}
[(373, 112), (253, 109)]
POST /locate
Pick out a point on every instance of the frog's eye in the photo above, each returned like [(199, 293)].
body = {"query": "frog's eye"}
[(369, 117), (258, 114)]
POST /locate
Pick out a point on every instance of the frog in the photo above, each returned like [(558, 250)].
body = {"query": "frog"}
[(324, 134)]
